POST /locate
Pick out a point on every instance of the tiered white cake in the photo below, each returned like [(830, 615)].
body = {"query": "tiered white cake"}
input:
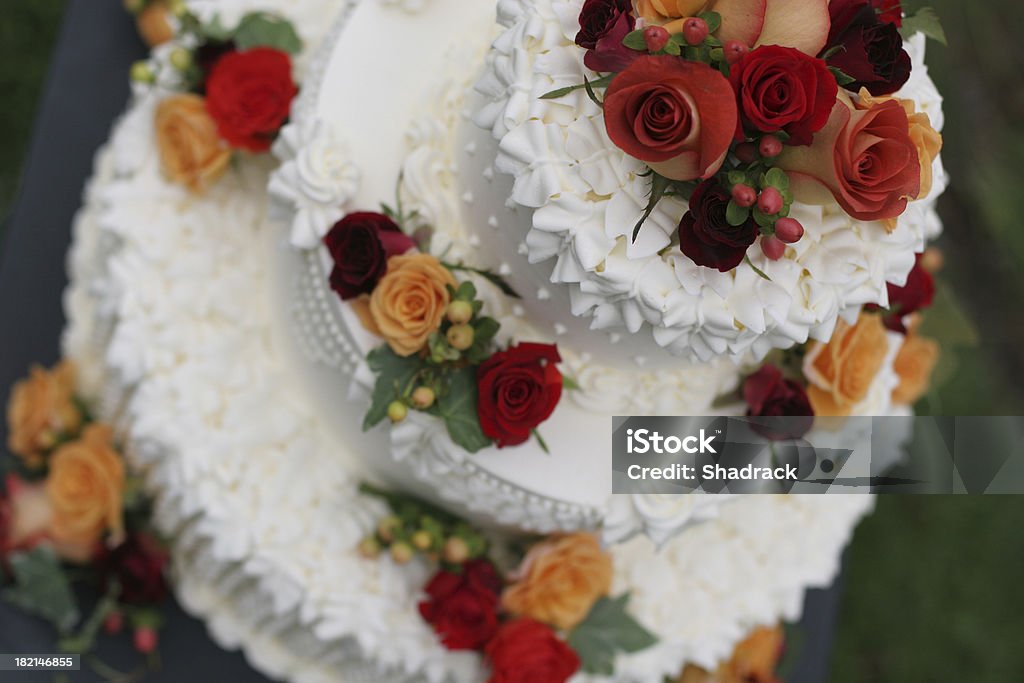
[(206, 330)]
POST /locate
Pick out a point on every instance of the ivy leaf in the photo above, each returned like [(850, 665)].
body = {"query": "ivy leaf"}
[(41, 588), (457, 406), (925, 21), (393, 374), (263, 29), (736, 215), (607, 630)]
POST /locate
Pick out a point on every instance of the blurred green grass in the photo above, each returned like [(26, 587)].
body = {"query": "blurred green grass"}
[(932, 590)]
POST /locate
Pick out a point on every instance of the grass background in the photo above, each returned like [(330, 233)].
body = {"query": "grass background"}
[(933, 590)]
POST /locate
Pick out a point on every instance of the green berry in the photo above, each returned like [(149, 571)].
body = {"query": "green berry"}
[(369, 547), (181, 59), (402, 552), (459, 312), (460, 337), (423, 397), (387, 527), (456, 550), (397, 411), (422, 540), (142, 73)]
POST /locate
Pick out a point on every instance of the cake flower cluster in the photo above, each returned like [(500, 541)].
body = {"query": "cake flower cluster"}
[(71, 512), (743, 108), (229, 90), (835, 379), (440, 356)]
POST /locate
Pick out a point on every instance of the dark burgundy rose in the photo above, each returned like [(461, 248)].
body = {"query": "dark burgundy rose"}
[(889, 11), (706, 236), (603, 26), (360, 245), (866, 48), (463, 607), (527, 651), (918, 293), (138, 566), (518, 389), (782, 89), (769, 394)]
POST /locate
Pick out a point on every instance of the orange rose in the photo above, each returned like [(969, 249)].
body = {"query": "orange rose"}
[(154, 24), (191, 151), (85, 488), (409, 301), (840, 373), (560, 580), (927, 141), (914, 364), (41, 409), (753, 661)]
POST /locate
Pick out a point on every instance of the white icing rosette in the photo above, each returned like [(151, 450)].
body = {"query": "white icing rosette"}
[(586, 195), (315, 181)]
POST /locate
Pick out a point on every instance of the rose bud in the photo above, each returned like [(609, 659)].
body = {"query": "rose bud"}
[(423, 397), (456, 551), (402, 552), (773, 247), (770, 147), (734, 51), (656, 38), (770, 202), (460, 337), (789, 230), (744, 195), (145, 639), (459, 312), (397, 411), (695, 30)]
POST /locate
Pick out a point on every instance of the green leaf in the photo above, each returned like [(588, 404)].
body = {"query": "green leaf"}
[(842, 78), (590, 92), (457, 406), (393, 374), (602, 82), (713, 20), (762, 219), (215, 31), (263, 29), (466, 291), (757, 270), (41, 588), (659, 185), (925, 21), (673, 48), (777, 178), (569, 384), (735, 214), (607, 630), (635, 40), (484, 331)]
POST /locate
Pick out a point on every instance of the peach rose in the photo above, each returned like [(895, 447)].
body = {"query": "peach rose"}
[(925, 138), (42, 409), (840, 373), (409, 301), (26, 516), (86, 488), (914, 365), (560, 580), (864, 157), (754, 660), (191, 151), (154, 24)]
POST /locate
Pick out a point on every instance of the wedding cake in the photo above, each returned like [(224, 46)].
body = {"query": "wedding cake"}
[(486, 229)]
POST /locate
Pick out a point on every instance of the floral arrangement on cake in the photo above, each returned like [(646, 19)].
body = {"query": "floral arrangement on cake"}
[(440, 355), (72, 514), (228, 90), (739, 107)]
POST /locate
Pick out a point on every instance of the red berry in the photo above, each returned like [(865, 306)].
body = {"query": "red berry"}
[(773, 247), (744, 195), (770, 202), (734, 51), (695, 30), (789, 230), (145, 639), (656, 38), (114, 622), (747, 152), (770, 147)]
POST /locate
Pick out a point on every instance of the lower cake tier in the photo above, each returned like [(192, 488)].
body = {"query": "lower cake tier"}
[(175, 325)]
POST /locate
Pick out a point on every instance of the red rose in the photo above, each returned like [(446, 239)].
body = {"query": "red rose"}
[(249, 94), (769, 394), (360, 245), (916, 294), (678, 116), (463, 608), (706, 236), (527, 651), (138, 566), (519, 389), (865, 157), (889, 11), (866, 48), (604, 24), (782, 89)]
